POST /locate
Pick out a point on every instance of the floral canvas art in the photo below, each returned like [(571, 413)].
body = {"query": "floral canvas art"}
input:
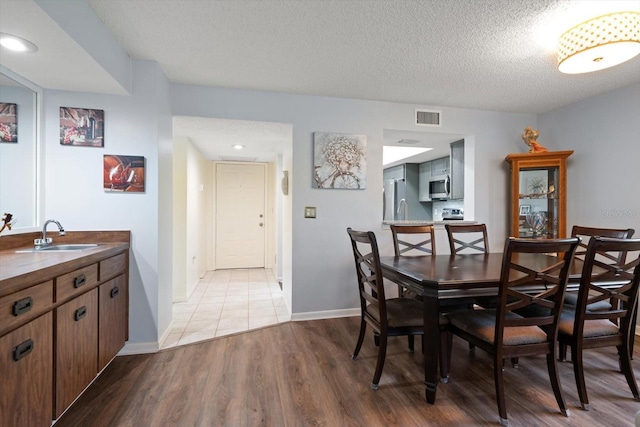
[(339, 160)]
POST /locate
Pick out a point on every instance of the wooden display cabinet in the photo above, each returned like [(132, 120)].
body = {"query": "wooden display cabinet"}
[(538, 205)]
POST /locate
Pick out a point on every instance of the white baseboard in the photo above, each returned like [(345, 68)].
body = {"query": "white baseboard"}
[(328, 314), (139, 348), (637, 330)]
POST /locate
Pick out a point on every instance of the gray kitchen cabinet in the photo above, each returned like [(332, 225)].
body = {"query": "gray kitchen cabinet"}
[(457, 170), (424, 174), (440, 166)]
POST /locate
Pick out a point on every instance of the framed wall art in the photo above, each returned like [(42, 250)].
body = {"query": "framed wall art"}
[(81, 127), (339, 160), (8, 122), (123, 173)]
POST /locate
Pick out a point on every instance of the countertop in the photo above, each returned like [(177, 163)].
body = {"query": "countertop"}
[(427, 222), (21, 270)]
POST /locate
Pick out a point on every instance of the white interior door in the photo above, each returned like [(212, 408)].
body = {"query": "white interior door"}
[(240, 215)]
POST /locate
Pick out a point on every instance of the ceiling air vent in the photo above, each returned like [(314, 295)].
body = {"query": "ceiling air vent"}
[(427, 118)]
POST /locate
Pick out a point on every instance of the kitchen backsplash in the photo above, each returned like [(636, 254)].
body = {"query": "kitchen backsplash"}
[(439, 205)]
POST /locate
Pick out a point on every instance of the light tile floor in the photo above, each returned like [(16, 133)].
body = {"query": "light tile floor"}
[(225, 302)]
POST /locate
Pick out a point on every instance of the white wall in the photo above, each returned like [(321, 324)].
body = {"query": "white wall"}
[(604, 171), (321, 264), (179, 226), (138, 125), (198, 189)]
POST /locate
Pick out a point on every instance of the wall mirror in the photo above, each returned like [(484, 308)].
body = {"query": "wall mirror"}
[(19, 131)]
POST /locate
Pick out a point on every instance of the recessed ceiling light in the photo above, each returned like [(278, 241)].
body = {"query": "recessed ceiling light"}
[(17, 44), (238, 146)]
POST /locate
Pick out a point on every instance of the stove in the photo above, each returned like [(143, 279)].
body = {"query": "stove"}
[(452, 214)]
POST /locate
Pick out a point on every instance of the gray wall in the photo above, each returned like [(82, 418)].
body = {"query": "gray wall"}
[(138, 125), (322, 272), (604, 171)]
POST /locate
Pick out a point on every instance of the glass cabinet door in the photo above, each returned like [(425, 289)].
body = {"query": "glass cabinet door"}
[(538, 203)]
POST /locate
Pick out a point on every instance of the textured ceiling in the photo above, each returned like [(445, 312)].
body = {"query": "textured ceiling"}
[(482, 54), (495, 55)]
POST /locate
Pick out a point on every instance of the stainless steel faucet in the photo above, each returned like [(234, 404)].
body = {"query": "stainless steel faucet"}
[(46, 241), (401, 204)]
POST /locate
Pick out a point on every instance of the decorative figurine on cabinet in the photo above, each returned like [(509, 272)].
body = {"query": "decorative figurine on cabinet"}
[(7, 221), (530, 136)]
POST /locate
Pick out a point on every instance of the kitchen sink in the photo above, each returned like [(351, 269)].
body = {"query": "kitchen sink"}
[(61, 248)]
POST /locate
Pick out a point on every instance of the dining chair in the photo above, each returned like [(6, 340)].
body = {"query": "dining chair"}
[(583, 328), (503, 333), (387, 317), (412, 240), (584, 234), (467, 238)]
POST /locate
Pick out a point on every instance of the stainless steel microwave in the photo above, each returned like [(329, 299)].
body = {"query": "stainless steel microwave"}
[(440, 187)]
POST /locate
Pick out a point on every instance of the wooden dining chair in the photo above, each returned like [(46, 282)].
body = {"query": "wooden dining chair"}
[(387, 317), (503, 333), (412, 240), (582, 327), (467, 238)]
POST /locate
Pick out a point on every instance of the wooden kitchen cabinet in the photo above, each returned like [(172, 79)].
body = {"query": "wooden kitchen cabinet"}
[(26, 366), (64, 317), (112, 323), (76, 354), (538, 202)]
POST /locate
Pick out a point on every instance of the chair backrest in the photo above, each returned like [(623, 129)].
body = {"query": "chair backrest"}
[(467, 238), (413, 239), (612, 282), (369, 273), (521, 276), (585, 233)]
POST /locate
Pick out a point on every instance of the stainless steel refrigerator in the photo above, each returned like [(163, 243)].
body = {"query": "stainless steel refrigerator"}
[(394, 203)]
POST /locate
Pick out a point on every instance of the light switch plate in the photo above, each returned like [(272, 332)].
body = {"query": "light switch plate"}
[(309, 211)]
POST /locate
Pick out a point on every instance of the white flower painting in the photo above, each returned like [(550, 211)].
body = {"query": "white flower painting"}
[(339, 160)]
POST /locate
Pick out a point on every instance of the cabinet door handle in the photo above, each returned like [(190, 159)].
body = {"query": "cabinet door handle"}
[(80, 313), (21, 350), (22, 306), (79, 281), (114, 292)]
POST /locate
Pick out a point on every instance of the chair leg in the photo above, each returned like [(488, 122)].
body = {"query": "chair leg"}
[(363, 328), (552, 366), (578, 371), (514, 362), (446, 342), (376, 339), (499, 384), (562, 353), (382, 352), (625, 361), (410, 338)]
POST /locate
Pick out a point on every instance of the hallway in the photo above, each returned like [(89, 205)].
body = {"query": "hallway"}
[(226, 302)]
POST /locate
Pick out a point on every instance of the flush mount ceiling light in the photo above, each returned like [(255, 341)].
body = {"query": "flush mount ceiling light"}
[(238, 146), (599, 43), (17, 44)]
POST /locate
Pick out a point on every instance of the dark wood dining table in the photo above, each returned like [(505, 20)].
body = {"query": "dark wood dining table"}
[(441, 279)]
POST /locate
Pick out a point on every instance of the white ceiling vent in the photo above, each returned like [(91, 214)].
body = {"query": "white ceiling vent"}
[(428, 118)]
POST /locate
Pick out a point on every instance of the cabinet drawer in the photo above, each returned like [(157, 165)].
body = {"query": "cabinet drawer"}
[(76, 282), (22, 306), (113, 266)]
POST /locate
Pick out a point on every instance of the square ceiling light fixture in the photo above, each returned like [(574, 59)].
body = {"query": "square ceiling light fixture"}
[(599, 43)]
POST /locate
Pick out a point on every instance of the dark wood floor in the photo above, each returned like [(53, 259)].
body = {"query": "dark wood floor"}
[(301, 374)]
